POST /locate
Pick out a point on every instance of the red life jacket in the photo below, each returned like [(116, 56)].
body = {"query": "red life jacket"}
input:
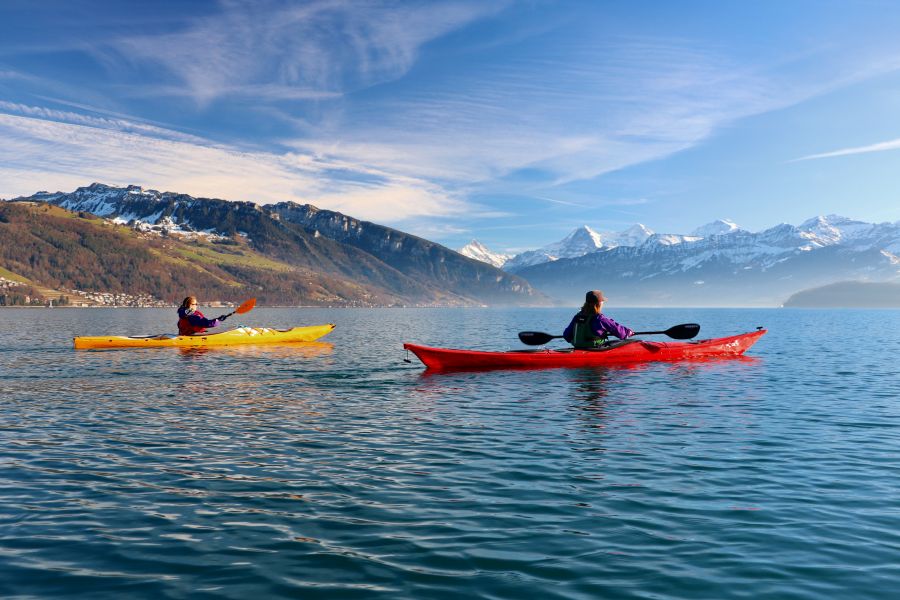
[(185, 327)]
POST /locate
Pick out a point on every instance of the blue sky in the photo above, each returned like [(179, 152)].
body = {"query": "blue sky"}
[(510, 122)]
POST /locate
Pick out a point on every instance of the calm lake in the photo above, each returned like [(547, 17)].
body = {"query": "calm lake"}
[(336, 470)]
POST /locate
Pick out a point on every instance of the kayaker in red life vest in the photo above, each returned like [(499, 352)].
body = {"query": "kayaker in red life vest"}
[(191, 321), (590, 328)]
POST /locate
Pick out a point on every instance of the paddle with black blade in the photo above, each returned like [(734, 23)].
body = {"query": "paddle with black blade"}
[(245, 307), (685, 331)]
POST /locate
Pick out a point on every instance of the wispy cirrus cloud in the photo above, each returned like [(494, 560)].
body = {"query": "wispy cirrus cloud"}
[(879, 147), (117, 124), (63, 155), (275, 50), (562, 202), (572, 113)]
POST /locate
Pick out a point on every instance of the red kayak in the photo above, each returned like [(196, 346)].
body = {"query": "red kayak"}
[(627, 351)]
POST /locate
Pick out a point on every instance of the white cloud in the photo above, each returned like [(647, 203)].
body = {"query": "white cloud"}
[(880, 147), (39, 154), (570, 113), (276, 50), (118, 124), (562, 202)]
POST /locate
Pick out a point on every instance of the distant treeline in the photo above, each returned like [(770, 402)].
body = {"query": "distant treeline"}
[(29, 296), (848, 294)]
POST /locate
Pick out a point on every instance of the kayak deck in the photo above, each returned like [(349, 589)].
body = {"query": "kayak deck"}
[(235, 337), (629, 351)]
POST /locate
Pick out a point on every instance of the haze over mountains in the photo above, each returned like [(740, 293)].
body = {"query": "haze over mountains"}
[(848, 294), (718, 264), (242, 248)]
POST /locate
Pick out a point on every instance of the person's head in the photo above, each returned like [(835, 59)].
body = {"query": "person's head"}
[(593, 301), (189, 304)]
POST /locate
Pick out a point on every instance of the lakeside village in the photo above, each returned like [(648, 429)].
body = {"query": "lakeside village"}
[(17, 293)]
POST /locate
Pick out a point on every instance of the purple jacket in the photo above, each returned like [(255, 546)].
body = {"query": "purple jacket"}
[(601, 326), (193, 323)]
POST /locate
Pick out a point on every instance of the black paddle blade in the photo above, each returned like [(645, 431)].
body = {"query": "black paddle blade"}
[(683, 332), (536, 338)]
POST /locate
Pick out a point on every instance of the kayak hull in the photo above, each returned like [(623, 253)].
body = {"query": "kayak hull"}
[(629, 351), (242, 336)]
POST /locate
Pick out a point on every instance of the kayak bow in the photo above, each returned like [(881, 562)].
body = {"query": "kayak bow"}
[(627, 351), (236, 337)]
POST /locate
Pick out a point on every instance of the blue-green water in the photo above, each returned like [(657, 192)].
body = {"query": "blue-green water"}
[(336, 470)]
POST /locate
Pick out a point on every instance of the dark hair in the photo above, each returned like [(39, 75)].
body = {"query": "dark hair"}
[(590, 307), (186, 303), (592, 301)]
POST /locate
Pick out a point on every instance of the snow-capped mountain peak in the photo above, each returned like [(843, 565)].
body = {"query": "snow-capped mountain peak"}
[(834, 229), (480, 252), (635, 235), (717, 227), (671, 239), (579, 242)]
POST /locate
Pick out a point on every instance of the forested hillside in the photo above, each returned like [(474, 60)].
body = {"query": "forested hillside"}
[(65, 250), (848, 294)]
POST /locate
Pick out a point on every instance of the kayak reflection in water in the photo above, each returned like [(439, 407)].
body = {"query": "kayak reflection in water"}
[(191, 321), (590, 328)]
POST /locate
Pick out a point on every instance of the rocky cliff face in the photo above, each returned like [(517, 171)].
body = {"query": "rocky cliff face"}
[(412, 255)]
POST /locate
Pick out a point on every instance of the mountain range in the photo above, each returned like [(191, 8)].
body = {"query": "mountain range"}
[(585, 240), (719, 264), (165, 245), (168, 245)]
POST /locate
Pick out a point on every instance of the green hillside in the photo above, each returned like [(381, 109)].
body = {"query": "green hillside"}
[(54, 248)]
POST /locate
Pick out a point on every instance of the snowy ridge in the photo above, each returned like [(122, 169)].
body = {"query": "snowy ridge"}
[(150, 211), (578, 243), (723, 239), (733, 267), (635, 235), (480, 252), (719, 227)]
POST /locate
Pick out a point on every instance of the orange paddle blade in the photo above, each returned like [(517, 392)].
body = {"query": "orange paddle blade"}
[(246, 306)]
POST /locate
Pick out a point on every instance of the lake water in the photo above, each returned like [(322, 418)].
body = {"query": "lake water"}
[(336, 470)]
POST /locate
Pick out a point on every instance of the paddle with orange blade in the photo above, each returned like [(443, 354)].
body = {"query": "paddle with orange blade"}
[(243, 308)]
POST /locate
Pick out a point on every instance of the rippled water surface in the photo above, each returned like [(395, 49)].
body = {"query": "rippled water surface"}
[(336, 470)]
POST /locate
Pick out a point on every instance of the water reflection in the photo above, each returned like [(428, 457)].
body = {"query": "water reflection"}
[(304, 350), (590, 392)]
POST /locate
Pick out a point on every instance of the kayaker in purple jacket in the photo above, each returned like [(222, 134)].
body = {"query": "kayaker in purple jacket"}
[(191, 321), (590, 328)]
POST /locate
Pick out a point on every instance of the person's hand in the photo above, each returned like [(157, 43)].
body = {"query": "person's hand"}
[(222, 317)]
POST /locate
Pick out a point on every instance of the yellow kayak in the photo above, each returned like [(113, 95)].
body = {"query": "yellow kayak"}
[(235, 337)]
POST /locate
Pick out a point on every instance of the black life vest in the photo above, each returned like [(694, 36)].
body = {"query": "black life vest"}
[(582, 336)]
